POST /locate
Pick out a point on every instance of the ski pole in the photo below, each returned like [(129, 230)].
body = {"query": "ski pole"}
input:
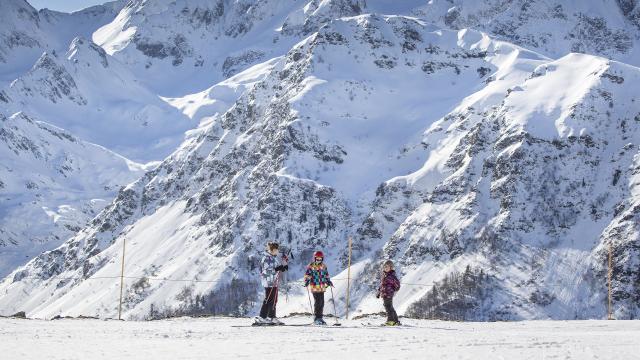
[(275, 287), (270, 294), (277, 282), (309, 295), (333, 300)]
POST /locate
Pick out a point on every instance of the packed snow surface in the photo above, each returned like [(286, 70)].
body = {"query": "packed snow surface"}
[(220, 338)]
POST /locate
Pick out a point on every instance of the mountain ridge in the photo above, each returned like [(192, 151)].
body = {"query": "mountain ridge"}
[(495, 176)]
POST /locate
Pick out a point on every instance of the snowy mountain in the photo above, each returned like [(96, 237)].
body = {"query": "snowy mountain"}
[(51, 185), (608, 28), (83, 94), (532, 190), (466, 143), (209, 41), (90, 94), (26, 33)]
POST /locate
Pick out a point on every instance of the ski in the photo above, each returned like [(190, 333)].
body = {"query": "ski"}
[(372, 325), (298, 325), (326, 326), (257, 325)]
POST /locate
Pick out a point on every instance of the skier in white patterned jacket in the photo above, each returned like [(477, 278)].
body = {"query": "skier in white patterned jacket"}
[(270, 268)]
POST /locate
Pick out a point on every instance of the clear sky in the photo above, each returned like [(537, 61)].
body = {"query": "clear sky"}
[(64, 5)]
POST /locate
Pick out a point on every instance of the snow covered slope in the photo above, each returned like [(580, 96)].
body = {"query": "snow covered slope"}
[(209, 41), (195, 338), (51, 184), (25, 32), (205, 42), (533, 191), (90, 94), (610, 28), (74, 96), (217, 99)]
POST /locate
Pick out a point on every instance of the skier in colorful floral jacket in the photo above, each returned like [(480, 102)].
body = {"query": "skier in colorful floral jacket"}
[(388, 287), (270, 270), (317, 278)]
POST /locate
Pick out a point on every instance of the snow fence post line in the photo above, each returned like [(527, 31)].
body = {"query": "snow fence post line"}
[(124, 244), (348, 279)]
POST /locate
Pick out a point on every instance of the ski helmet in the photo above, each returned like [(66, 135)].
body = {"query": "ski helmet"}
[(318, 254)]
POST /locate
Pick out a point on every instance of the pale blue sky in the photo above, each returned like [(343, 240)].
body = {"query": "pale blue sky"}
[(64, 5)]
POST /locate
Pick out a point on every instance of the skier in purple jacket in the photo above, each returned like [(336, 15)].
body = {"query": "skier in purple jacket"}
[(389, 285)]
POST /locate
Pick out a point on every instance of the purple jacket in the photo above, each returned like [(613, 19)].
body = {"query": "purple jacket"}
[(389, 284)]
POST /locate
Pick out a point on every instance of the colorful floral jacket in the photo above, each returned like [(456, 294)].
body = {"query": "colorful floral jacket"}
[(317, 276), (389, 284), (268, 271)]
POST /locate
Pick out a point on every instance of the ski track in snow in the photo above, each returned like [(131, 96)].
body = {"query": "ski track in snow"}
[(187, 338)]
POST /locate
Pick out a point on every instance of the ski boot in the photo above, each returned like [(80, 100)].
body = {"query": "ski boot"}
[(260, 321), (275, 321)]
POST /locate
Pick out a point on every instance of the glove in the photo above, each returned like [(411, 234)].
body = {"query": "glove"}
[(329, 283), (282, 267), (306, 283), (286, 268), (378, 295)]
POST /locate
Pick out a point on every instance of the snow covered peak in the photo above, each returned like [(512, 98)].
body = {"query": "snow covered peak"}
[(609, 28), (26, 33), (76, 91), (242, 33), (51, 80), (316, 12), (205, 42), (86, 51), (559, 85)]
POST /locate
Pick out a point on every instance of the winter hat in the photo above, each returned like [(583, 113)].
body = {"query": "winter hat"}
[(271, 245), (318, 254)]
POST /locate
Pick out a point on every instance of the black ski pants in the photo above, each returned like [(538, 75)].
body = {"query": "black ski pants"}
[(318, 304), (391, 312), (269, 304)]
